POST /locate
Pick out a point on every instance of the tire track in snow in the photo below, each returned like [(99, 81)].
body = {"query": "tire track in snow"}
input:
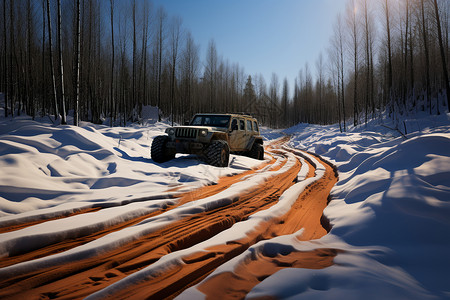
[(50, 275), (300, 208), (86, 229)]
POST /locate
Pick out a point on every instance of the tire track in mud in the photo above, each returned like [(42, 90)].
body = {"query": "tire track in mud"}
[(69, 243), (86, 276), (306, 214), (222, 184), (61, 281)]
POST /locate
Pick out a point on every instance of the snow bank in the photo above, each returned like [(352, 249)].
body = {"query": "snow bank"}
[(45, 167), (389, 216)]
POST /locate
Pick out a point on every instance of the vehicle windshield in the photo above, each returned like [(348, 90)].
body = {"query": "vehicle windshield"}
[(211, 120)]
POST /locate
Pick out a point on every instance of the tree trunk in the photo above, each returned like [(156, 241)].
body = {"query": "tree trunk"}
[(389, 83), (76, 79), (30, 95), (427, 58), (405, 70), (11, 50), (61, 67), (52, 70), (366, 25), (355, 77), (43, 61), (444, 63), (112, 65), (134, 55), (5, 60)]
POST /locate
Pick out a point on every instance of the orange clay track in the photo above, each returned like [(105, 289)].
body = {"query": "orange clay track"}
[(87, 276)]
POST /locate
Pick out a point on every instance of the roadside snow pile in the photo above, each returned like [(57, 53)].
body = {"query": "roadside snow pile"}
[(390, 216), (48, 171)]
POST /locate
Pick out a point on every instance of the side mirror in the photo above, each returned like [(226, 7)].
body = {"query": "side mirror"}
[(186, 122), (234, 127)]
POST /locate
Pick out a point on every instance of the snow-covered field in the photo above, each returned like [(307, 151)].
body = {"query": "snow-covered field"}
[(390, 210)]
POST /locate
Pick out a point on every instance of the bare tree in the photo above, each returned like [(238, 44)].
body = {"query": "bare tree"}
[(389, 50), (55, 100), (340, 37), (352, 19), (143, 66), (367, 56), (76, 65), (175, 33), (285, 101), (161, 19), (190, 68), (5, 60), (11, 54), (61, 66), (134, 53), (427, 57), (273, 90), (111, 99), (320, 85), (441, 48), (211, 72)]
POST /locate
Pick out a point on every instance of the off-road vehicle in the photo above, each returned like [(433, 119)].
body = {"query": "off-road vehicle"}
[(213, 137)]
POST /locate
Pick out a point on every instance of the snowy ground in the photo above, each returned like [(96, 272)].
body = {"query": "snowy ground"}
[(389, 211)]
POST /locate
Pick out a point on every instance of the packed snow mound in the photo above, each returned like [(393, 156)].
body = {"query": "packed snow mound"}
[(43, 166), (389, 215)]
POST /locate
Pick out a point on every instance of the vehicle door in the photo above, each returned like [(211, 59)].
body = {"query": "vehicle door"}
[(238, 135)]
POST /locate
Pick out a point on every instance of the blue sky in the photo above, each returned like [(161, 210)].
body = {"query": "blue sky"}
[(263, 36)]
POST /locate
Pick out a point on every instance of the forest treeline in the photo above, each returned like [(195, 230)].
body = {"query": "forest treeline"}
[(104, 60)]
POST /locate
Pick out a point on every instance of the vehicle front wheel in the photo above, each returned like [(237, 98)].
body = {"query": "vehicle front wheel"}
[(159, 150), (257, 151), (218, 154)]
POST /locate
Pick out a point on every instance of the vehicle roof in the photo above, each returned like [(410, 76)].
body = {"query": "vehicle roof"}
[(223, 114)]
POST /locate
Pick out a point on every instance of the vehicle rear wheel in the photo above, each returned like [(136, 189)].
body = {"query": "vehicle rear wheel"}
[(159, 150), (218, 154), (257, 151)]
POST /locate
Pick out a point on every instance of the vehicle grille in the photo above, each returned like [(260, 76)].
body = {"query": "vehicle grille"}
[(186, 132)]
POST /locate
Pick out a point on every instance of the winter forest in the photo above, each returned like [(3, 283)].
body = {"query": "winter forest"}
[(102, 61)]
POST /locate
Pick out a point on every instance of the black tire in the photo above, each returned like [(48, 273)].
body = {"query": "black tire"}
[(159, 150), (218, 154), (257, 151)]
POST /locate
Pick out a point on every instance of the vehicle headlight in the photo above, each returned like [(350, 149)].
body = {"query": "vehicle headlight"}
[(170, 131), (203, 132)]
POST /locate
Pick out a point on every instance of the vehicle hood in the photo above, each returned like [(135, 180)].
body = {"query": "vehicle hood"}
[(223, 129)]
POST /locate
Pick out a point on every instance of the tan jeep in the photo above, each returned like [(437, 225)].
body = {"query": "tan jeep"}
[(212, 136)]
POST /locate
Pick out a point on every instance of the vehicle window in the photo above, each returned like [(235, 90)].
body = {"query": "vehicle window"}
[(197, 121), (255, 126), (249, 125), (241, 125), (234, 124), (215, 121)]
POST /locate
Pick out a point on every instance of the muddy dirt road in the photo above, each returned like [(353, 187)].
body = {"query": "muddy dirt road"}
[(109, 273)]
